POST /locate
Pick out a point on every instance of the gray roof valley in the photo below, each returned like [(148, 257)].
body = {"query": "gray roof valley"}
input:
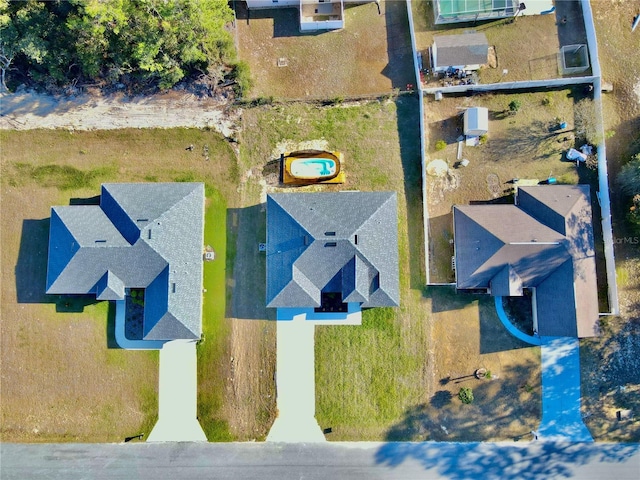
[(332, 242)]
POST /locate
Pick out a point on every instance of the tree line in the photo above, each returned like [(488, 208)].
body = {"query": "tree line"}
[(629, 182), (139, 43)]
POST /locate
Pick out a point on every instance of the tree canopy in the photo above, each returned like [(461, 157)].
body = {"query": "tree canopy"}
[(629, 182), (629, 176), (145, 42)]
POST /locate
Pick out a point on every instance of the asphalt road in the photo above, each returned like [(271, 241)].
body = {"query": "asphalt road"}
[(371, 461)]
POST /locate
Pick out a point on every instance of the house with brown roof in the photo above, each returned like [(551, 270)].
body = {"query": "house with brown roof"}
[(544, 242)]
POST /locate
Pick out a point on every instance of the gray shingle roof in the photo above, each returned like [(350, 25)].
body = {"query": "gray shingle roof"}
[(110, 287), (546, 242), (463, 49), (344, 240), (141, 236)]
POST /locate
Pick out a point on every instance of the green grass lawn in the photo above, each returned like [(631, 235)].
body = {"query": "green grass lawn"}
[(366, 377), (212, 349)]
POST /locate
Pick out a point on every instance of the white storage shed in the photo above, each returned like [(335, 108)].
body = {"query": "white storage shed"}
[(476, 121)]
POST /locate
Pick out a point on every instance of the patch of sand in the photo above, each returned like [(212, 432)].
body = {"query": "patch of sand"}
[(30, 110), (292, 146)]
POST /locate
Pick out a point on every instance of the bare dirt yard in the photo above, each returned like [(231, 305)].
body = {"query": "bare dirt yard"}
[(466, 335), (611, 373), (371, 55)]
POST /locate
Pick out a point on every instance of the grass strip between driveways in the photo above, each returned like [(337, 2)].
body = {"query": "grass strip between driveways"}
[(211, 350)]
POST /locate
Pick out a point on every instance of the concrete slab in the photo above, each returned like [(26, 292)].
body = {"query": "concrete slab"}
[(353, 316), (177, 395), (295, 384), (538, 7), (561, 417)]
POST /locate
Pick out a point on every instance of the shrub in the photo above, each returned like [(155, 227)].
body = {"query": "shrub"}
[(465, 395), (527, 388), (629, 176), (483, 139), (441, 145), (587, 121), (515, 105), (241, 74), (137, 297), (256, 102), (634, 212)]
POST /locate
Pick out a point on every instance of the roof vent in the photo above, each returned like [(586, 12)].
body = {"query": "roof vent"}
[(101, 241), (142, 220), (330, 234), (331, 244)]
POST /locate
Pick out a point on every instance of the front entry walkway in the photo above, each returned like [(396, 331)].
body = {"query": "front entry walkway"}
[(177, 395), (561, 417), (295, 384)]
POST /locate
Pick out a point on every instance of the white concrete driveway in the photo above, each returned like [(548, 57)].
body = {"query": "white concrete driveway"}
[(177, 395), (295, 384)]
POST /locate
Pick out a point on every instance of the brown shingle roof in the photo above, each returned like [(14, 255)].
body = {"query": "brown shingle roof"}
[(546, 242)]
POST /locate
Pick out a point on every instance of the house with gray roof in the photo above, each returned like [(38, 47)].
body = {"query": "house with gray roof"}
[(329, 251), (467, 51), (544, 243), (141, 236)]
